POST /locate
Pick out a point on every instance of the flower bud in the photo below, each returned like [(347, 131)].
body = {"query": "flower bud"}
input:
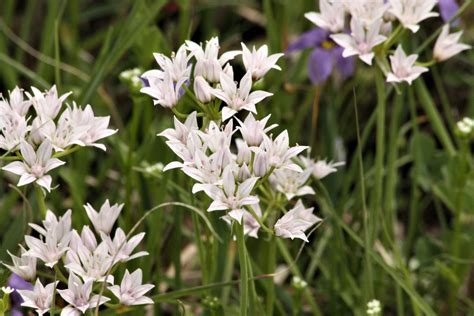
[(244, 173), (202, 90), (260, 164), (244, 155)]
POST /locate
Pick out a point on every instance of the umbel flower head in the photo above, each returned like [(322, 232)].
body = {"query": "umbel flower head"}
[(231, 159), (88, 263), (35, 129)]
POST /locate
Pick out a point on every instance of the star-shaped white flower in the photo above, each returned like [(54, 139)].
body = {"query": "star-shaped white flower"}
[(54, 240), (35, 165), (291, 183), (238, 98), (131, 291), (252, 130), (258, 62), (24, 266), (48, 104), (13, 130), (448, 45), (90, 127), (40, 298), (361, 41), (104, 220), (321, 168), (331, 17), (294, 223), (411, 12), (403, 68), (121, 248), (90, 264), (164, 91), (231, 196), (78, 295), (208, 63), (278, 153), (177, 66), (366, 11), (16, 103)]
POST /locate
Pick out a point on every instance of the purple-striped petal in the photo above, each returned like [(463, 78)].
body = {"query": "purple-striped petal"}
[(320, 65), (311, 38)]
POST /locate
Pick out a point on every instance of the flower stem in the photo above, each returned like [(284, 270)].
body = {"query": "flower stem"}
[(271, 265), (40, 200), (434, 116), (368, 289), (244, 285), (379, 155)]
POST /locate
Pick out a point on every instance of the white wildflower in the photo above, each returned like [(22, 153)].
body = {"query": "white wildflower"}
[(361, 41), (403, 68), (78, 295), (321, 168), (40, 298), (294, 223), (258, 62), (36, 165), (24, 266), (331, 17), (131, 291), (448, 45), (104, 220), (238, 98), (411, 12)]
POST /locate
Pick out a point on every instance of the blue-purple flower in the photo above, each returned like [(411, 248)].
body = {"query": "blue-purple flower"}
[(17, 283), (448, 9), (325, 57)]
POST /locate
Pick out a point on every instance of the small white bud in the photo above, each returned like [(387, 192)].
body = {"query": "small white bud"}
[(260, 164), (202, 90), (244, 155), (244, 173)]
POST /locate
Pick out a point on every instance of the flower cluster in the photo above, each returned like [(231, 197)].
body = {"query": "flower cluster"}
[(374, 27), (374, 307), (86, 260), (37, 129), (237, 162)]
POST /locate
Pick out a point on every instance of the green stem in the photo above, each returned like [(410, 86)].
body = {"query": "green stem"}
[(244, 285), (369, 287), (201, 250), (393, 37), (66, 152), (310, 298), (40, 200), (434, 116), (379, 157), (457, 232), (271, 266)]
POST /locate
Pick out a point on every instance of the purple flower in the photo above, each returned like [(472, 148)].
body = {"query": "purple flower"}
[(325, 57), (17, 283), (448, 9)]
